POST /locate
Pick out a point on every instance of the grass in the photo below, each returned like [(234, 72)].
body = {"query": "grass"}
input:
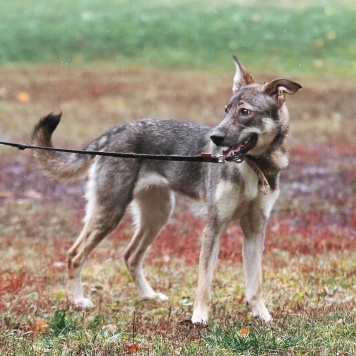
[(315, 39), (310, 292), (299, 337), (74, 332), (306, 320)]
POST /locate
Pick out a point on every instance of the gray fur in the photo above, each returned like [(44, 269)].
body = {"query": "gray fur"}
[(256, 117)]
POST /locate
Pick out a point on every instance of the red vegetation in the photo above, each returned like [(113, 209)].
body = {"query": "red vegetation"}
[(316, 212), (11, 282)]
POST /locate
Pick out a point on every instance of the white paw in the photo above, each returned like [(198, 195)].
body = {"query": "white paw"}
[(265, 316), (260, 311), (199, 320), (82, 303), (161, 296), (200, 316), (154, 295)]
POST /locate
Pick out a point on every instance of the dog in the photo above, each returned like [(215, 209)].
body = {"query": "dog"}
[(252, 133)]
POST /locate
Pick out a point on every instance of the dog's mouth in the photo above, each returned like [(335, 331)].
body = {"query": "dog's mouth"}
[(242, 148)]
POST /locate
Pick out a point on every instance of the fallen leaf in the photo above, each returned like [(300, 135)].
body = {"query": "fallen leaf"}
[(132, 348), (5, 195), (23, 97), (244, 331), (41, 326)]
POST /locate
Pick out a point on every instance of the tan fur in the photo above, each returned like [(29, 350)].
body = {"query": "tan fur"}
[(255, 126)]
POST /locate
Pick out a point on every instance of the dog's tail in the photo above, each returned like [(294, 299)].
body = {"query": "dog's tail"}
[(61, 165)]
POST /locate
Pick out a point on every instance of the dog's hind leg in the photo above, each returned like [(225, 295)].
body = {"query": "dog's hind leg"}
[(98, 226), (152, 208), (108, 199)]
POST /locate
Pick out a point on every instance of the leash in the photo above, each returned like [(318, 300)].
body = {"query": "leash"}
[(203, 158)]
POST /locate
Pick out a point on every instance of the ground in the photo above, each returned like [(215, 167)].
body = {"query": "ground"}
[(309, 258)]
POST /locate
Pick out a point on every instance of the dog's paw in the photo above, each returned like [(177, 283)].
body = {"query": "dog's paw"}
[(82, 303), (200, 316), (266, 316), (158, 296), (260, 311), (199, 320), (161, 296)]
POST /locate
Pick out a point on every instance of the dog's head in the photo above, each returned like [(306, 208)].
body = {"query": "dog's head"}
[(255, 116)]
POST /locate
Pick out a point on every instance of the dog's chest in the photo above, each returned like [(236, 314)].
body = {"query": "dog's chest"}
[(249, 182), (232, 194)]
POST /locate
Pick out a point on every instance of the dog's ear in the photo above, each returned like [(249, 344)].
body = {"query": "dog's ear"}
[(280, 87), (242, 76)]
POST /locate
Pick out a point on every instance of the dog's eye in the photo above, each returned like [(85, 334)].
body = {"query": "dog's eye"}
[(244, 112), (227, 108)]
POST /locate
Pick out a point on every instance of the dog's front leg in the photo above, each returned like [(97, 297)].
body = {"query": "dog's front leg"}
[(253, 225), (207, 261)]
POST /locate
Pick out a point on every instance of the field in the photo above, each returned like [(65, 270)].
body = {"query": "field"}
[(174, 61)]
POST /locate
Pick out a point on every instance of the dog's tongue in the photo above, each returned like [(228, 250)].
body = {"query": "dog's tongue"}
[(232, 152)]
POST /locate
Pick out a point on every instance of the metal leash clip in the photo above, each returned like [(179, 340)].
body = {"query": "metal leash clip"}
[(235, 159), (238, 159), (221, 158)]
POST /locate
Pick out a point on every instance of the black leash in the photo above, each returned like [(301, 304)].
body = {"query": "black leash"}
[(204, 157)]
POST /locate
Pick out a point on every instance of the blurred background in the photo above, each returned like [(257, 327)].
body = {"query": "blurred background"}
[(134, 56), (297, 37)]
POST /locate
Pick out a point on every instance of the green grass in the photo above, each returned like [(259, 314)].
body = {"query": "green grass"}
[(293, 36), (323, 331), (299, 337)]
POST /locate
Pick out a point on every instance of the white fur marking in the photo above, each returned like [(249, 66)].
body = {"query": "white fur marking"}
[(135, 213), (281, 158), (268, 201), (237, 79), (144, 182), (227, 197), (250, 179), (147, 180), (90, 193)]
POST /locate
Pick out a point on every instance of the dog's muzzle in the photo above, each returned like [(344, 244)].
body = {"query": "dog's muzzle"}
[(237, 150)]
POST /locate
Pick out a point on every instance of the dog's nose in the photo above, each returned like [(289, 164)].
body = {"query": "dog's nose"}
[(218, 138)]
